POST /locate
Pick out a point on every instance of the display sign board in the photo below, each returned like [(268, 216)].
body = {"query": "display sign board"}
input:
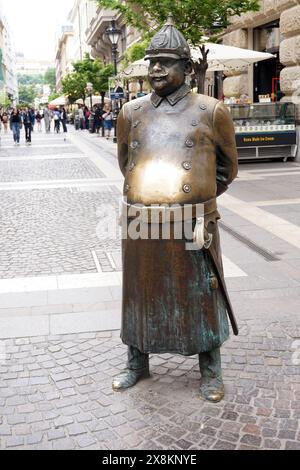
[(116, 90), (265, 139)]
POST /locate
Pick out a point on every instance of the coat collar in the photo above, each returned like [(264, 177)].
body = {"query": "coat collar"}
[(173, 98)]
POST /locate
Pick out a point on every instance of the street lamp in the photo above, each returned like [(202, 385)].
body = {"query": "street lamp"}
[(89, 89), (114, 34)]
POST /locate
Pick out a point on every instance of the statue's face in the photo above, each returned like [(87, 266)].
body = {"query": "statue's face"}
[(166, 75)]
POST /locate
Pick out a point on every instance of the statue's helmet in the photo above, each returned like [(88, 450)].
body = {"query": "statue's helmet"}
[(168, 42)]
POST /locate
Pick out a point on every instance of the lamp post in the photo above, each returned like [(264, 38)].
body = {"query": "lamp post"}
[(114, 34), (89, 89)]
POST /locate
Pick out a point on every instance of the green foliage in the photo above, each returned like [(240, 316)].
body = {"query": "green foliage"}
[(50, 78), (4, 99), (194, 17), (86, 70), (53, 96), (27, 94), (27, 79), (134, 52)]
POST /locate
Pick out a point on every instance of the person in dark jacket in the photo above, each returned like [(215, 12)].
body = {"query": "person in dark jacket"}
[(27, 121), (64, 118), (15, 125)]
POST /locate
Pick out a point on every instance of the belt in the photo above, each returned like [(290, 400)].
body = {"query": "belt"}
[(161, 214)]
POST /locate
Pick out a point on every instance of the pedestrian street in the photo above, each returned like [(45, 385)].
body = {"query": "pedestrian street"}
[(60, 304)]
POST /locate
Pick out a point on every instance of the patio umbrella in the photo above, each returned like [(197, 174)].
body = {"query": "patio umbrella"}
[(221, 57), (60, 101), (137, 69), (96, 99)]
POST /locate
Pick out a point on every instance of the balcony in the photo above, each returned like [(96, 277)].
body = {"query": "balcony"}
[(95, 34)]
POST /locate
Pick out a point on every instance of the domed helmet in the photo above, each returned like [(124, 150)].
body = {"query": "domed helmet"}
[(168, 42)]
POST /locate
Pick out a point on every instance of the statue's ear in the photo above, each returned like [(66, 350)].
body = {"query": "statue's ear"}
[(188, 69)]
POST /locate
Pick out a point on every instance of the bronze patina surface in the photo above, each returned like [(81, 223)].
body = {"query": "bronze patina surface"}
[(175, 147)]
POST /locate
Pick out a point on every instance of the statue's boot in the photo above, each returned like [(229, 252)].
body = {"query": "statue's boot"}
[(137, 369), (211, 385)]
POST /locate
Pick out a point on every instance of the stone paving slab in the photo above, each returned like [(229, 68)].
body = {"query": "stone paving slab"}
[(37, 150), (38, 170), (55, 392), (52, 231)]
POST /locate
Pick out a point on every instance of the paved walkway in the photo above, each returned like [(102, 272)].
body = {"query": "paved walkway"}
[(60, 291)]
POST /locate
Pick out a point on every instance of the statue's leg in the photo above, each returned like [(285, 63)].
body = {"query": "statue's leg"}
[(211, 386), (137, 368)]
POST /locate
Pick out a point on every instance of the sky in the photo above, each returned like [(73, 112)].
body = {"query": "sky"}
[(34, 25)]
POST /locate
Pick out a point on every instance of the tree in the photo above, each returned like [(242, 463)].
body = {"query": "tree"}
[(28, 79), (50, 78), (86, 70), (197, 18), (134, 52), (27, 94)]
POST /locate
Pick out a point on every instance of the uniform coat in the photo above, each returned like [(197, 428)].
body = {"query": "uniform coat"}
[(175, 150)]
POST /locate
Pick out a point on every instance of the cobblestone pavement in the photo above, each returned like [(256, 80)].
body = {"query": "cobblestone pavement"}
[(55, 393), (37, 150), (73, 168), (52, 231)]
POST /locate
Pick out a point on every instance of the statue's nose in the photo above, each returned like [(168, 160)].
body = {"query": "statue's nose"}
[(157, 67)]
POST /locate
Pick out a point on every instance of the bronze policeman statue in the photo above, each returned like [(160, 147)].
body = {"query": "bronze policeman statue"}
[(175, 148)]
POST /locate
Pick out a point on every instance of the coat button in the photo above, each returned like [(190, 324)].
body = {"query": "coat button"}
[(214, 283), (187, 165), (194, 123), (131, 166), (187, 188), (126, 188), (134, 145), (203, 107), (189, 143)]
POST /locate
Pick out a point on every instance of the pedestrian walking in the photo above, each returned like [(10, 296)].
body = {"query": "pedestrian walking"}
[(56, 117), (15, 125), (87, 114), (5, 119), (107, 120), (98, 119), (32, 118), (47, 120), (39, 118), (27, 121), (81, 118), (64, 118)]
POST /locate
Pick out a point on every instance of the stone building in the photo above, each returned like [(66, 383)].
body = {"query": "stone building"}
[(8, 75), (274, 28), (98, 40), (71, 44), (64, 54)]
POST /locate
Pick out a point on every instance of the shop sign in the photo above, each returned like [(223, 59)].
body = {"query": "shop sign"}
[(261, 140)]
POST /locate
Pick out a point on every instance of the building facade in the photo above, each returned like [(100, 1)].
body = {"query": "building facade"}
[(72, 42), (8, 72), (275, 28), (98, 40), (64, 54)]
